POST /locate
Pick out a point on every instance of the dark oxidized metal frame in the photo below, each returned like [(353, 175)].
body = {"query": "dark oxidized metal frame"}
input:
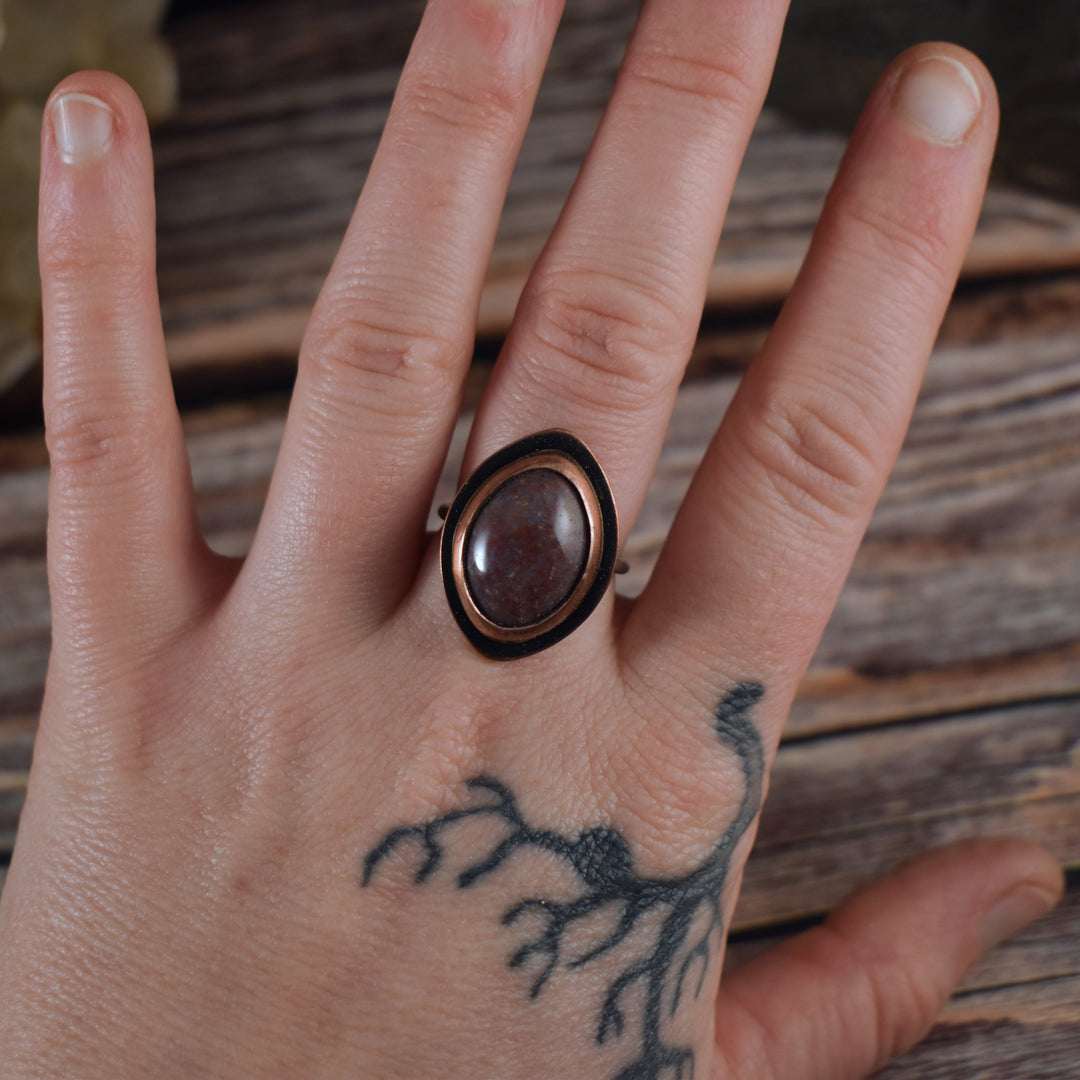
[(561, 452)]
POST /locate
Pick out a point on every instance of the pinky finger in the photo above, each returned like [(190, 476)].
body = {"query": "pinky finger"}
[(124, 547)]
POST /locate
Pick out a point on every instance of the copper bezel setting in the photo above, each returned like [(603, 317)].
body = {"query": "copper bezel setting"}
[(562, 453)]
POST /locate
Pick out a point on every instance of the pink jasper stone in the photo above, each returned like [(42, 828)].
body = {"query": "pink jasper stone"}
[(526, 549)]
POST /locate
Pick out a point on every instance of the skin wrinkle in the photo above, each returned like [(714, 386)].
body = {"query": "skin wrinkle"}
[(920, 246)]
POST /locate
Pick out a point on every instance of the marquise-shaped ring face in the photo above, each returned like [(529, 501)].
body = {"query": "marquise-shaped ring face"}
[(529, 545)]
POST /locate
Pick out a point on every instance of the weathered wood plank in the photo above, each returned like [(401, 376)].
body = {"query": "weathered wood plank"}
[(16, 747), (787, 882), (848, 807), (1024, 1031), (923, 771), (1047, 950)]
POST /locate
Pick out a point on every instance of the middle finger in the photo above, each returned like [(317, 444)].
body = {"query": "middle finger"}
[(609, 316)]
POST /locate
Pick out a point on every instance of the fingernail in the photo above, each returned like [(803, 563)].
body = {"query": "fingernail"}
[(940, 98), (1013, 912), (83, 126)]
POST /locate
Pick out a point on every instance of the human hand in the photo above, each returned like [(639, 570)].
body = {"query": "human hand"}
[(210, 878)]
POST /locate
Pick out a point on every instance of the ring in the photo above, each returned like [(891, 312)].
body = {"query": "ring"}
[(528, 545)]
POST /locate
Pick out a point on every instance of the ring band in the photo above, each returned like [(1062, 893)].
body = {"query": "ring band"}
[(529, 545)]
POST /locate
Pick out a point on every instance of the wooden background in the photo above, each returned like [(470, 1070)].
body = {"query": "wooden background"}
[(943, 701)]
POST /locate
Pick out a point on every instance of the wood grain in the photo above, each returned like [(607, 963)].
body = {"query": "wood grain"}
[(847, 808)]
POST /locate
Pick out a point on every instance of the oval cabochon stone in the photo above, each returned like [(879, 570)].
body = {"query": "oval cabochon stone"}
[(527, 548)]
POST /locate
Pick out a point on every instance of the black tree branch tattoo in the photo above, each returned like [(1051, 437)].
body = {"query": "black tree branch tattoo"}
[(671, 965)]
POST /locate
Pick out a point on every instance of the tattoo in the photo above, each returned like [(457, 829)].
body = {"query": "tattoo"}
[(602, 861)]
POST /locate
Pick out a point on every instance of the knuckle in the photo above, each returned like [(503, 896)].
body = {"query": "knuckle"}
[(363, 359), (111, 246), (915, 240), (898, 1000), (485, 106), (619, 336), (724, 82), (101, 448), (76, 269), (905, 1001), (818, 458)]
